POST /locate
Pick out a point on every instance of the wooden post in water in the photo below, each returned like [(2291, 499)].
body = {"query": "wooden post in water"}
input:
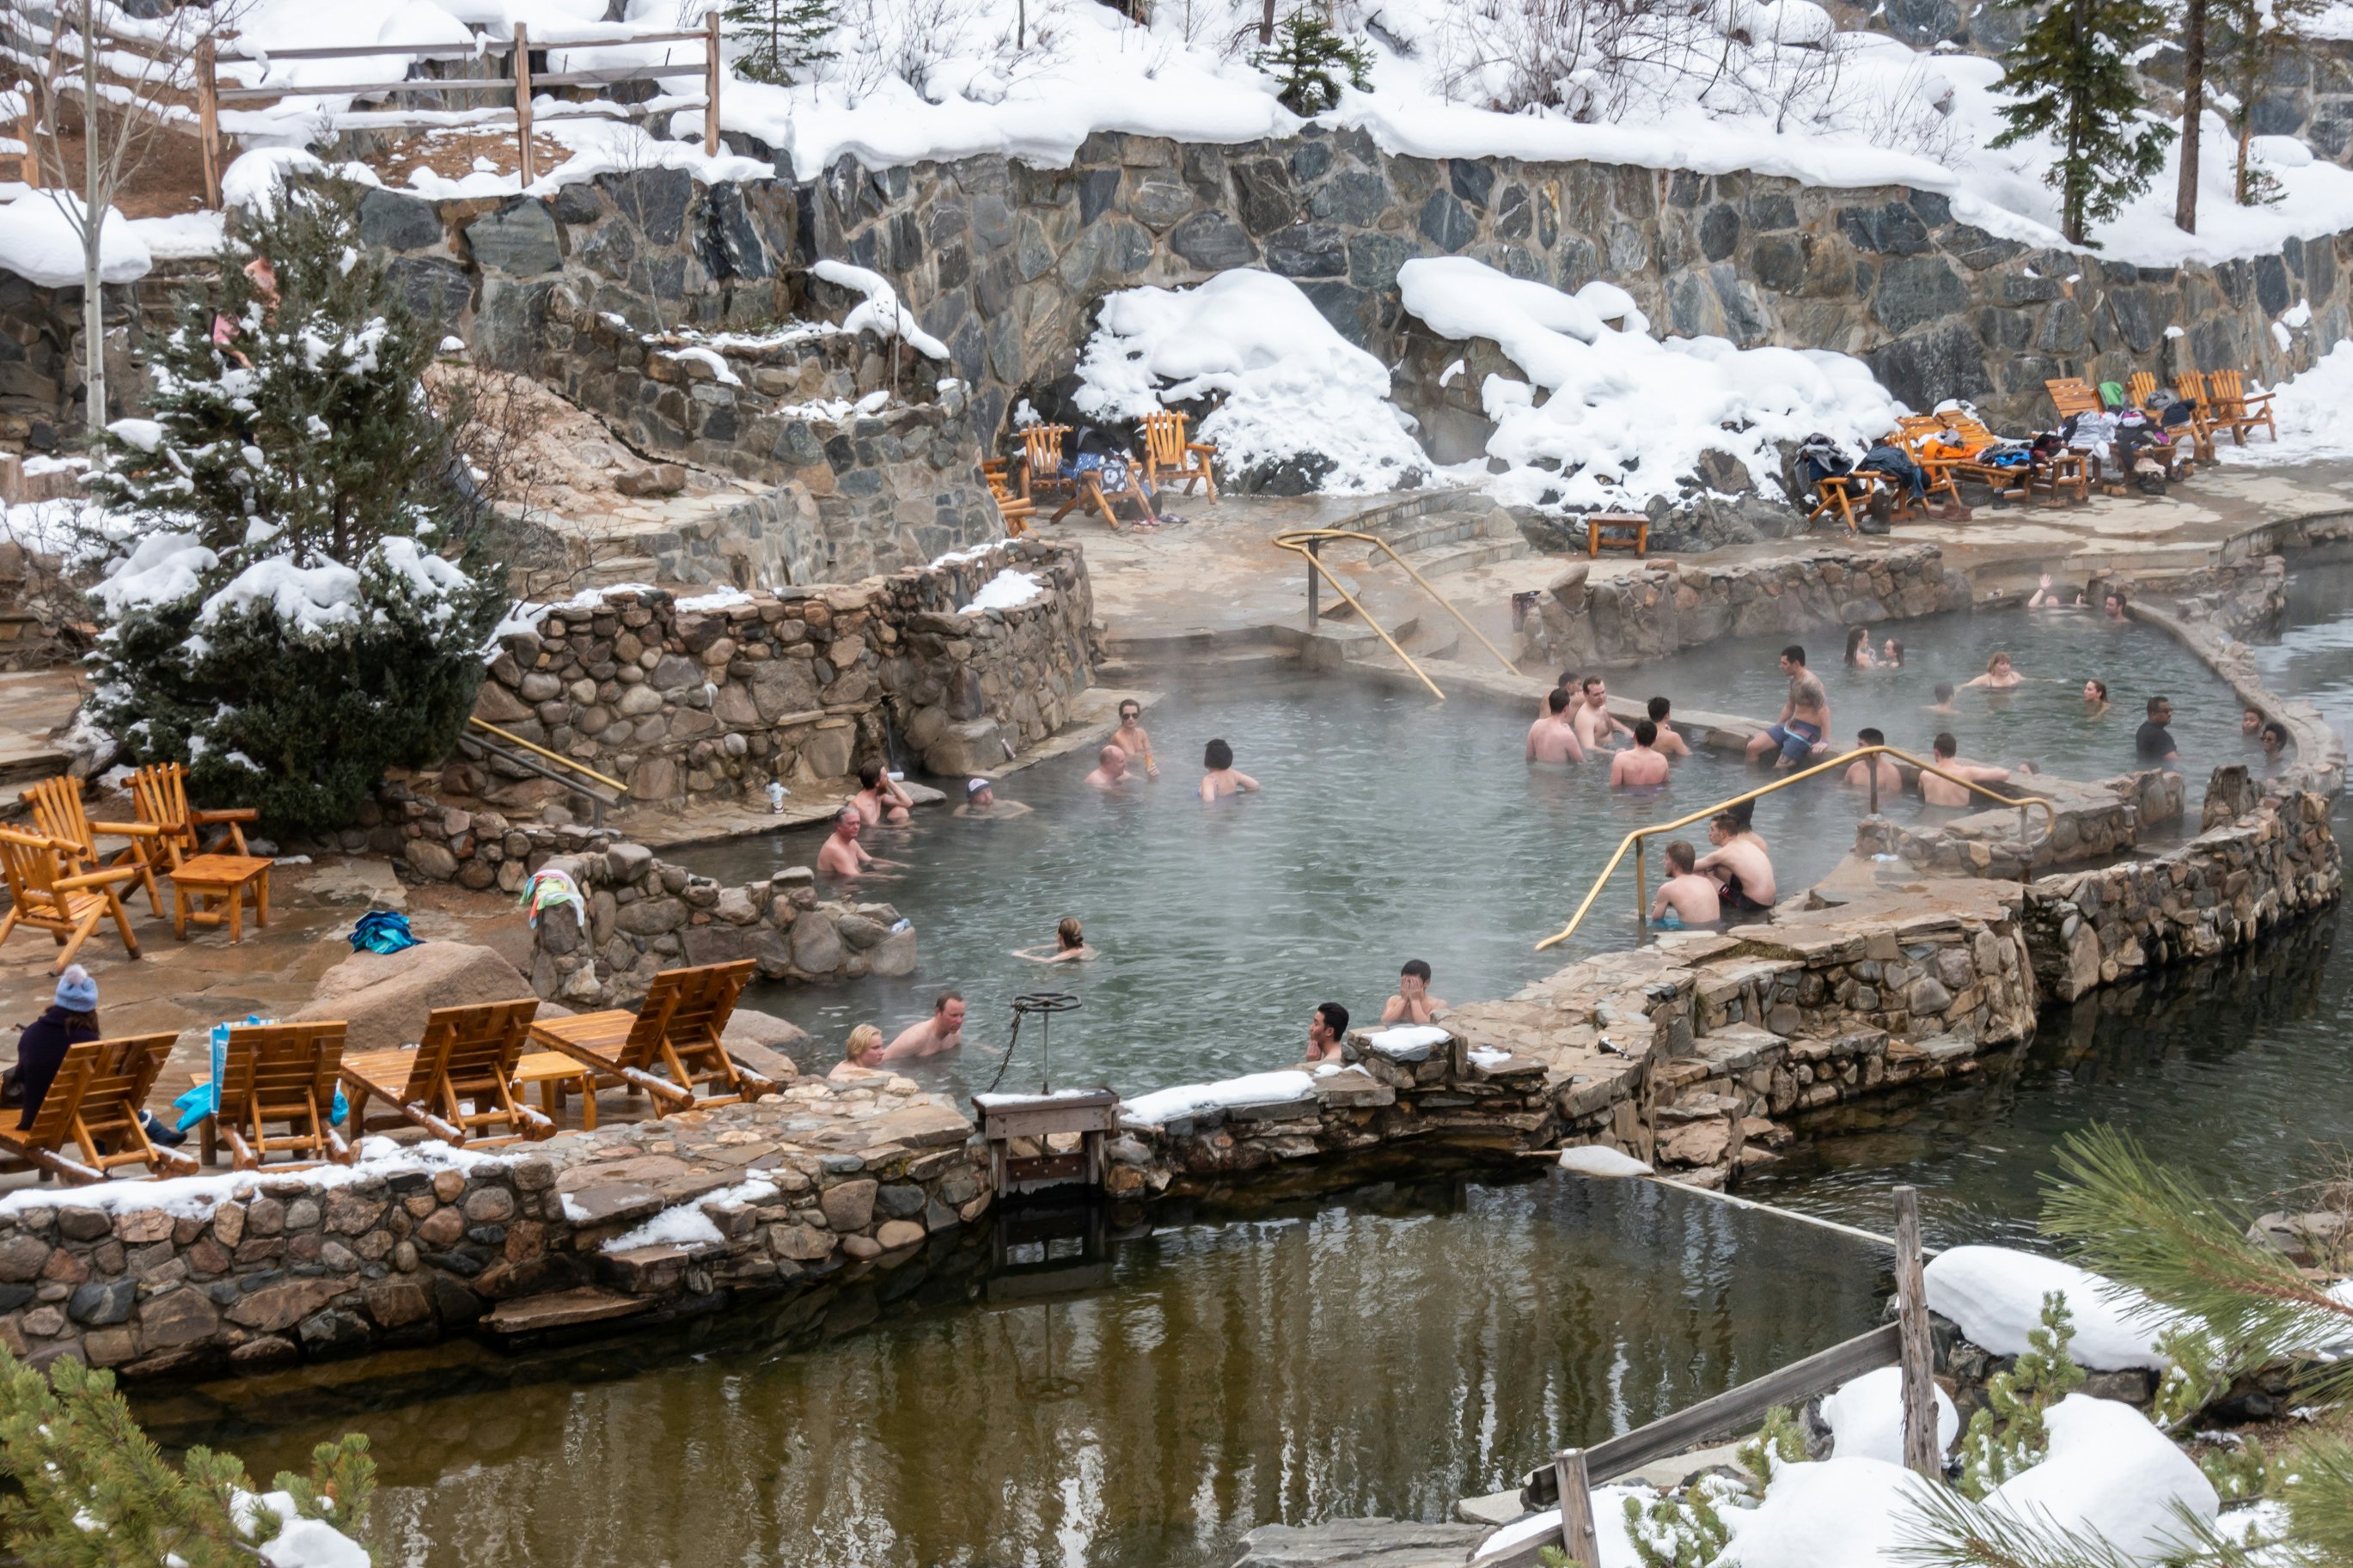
[(1922, 1453), (1314, 583), (1576, 1508)]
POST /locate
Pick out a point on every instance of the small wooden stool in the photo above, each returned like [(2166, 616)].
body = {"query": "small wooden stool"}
[(219, 879), (557, 1075), (1607, 531)]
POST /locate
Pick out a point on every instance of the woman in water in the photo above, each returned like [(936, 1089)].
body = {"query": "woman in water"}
[(1999, 675), (1220, 777), (1892, 656), (2095, 699), (1858, 649), (862, 1049), (1070, 946)]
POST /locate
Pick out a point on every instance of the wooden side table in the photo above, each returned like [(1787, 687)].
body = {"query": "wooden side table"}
[(557, 1075), (1618, 531), (217, 886)]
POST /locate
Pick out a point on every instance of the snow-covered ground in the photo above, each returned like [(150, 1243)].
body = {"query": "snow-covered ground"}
[(2310, 409)]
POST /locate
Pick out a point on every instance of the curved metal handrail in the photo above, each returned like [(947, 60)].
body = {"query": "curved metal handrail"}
[(1298, 540), (1633, 840)]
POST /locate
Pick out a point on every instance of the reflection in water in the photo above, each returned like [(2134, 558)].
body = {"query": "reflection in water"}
[(1386, 1354)]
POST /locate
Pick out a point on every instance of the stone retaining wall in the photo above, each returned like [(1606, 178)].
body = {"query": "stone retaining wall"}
[(713, 698), (252, 1273), (2088, 821), (1659, 608)]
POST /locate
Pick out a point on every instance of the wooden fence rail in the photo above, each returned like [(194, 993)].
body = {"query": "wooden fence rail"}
[(522, 85)]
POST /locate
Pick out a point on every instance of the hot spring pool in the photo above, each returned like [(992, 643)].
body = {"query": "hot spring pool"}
[(1390, 827)]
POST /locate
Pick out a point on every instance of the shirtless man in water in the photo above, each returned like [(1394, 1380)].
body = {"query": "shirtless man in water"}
[(1670, 744), (842, 855), (1805, 716), (1413, 1003), (1945, 792), (1131, 739), (1688, 896), (1640, 766), (1595, 726), (1110, 768), (1552, 738), (943, 1031), (1890, 777), (1740, 867), (880, 799)]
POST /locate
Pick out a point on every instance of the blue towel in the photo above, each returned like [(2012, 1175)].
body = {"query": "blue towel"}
[(382, 930)]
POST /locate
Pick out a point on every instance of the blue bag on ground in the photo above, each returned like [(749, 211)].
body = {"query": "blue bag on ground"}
[(382, 930)]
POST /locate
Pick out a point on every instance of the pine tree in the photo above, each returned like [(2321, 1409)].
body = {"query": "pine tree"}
[(2006, 1436), (1309, 58), (280, 613), (2070, 75), (779, 39), (2257, 36), (92, 1491)]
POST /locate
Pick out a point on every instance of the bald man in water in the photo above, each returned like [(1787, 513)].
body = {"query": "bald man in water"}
[(1111, 769)]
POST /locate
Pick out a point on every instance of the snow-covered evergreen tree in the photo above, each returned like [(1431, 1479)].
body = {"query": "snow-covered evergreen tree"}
[(2070, 75), (1311, 59), (281, 613), (779, 39), (2258, 36)]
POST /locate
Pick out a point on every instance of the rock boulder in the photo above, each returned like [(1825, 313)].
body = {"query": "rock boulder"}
[(386, 997)]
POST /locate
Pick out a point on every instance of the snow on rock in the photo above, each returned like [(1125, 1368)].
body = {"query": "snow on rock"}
[(1625, 418), (2111, 1474), (1866, 1418), (41, 245), (195, 1198), (1190, 1100), (1995, 1294), (686, 1225), (1006, 590), (300, 1543), (882, 314), (1407, 1042), (1601, 1160), (1294, 389), (1839, 1513), (1616, 1548)]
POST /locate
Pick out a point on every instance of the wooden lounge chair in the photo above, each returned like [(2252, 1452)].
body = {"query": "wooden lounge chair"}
[(282, 1073), (160, 792), (2229, 407), (57, 811), (2072, 394), (95, 1101), (1168, 456), (457, 1079), (1919, 429), (1042, 472), (50, 896), (676, 1028)]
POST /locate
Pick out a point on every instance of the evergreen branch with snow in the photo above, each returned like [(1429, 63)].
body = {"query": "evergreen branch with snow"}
[(1943, 1529)]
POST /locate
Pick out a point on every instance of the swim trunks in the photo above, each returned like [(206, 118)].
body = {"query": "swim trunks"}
[(1671, 921), (1797, 738), (1735, 898)]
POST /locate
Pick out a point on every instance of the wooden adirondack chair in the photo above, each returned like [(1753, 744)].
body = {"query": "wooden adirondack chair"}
[(57, 810), (677, 1026), (1842, 493), (458, 1079), (50, 896), (160, 792), (2072, 394), (1042, 472), (1168, 456), (2229, 407), (95, 1100), (281, 1073), (1012, 505)]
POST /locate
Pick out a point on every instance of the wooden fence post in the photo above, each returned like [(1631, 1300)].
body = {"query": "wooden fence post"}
[(209, 121), (523, 99), (711, 86), (1922, 1452), (1576, 1508)]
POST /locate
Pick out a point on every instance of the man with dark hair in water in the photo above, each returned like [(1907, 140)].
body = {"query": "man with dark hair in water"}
[(1670, 744), (1740, 866), (1640, 766), (1328, 1029), (1805, 716)]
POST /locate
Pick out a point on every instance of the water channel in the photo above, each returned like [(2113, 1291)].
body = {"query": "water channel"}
[(1144, 1398)]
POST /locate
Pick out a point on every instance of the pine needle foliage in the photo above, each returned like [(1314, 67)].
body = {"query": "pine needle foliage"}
[(1687, 1530), (2070, 75), (778, 41), (1312, 60), (281, 613), (2006, 1436), (2142, 1224), (91, 1490)]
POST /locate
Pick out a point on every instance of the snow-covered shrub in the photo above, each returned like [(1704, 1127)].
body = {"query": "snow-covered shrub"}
[(1296, 394), (1689, 1529), (2006, 1437), (1314, 62), (280, 611)]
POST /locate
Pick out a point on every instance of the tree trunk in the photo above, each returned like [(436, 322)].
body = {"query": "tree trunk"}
[(1266, 26), (2193, 113), (94, 202), (2246, 140)]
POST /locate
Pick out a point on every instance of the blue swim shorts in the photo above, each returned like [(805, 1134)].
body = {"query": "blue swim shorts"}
[(1797, 740)]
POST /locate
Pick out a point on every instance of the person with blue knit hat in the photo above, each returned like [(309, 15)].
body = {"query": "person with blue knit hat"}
[(70, 1017)]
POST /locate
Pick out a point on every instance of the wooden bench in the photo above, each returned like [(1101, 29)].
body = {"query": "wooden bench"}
[(457, 1083), (57, 810), (1618, 531)]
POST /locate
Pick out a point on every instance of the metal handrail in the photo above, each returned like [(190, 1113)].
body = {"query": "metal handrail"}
[(512, 738), (1634, 841), (1302, 541)]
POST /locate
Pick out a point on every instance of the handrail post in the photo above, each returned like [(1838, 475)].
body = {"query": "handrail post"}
[(1576, 1536), (1871, 764), (1922, 1452), (1642, 893), (1314, 582)]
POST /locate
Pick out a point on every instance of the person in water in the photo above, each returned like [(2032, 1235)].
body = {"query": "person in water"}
[(2095, 699), (1943, 702), (1413, 1003), (1892, 656), (1552, 738), (1596, 728), (1938, 790), (1640, 766), (863, 1049), (1070, 945), (2153, 742), (2112, 607), (1670, 744), (980, 800), (1858, 649), (1327, 1034), (1999, 675), (2274, 742), (1890, 777), (842, 856), (943, 1031), (880, 799), (1110, 769), (1742, 870), (1686, 897), (1130, 737), (1805, 716), (1220, 777)]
